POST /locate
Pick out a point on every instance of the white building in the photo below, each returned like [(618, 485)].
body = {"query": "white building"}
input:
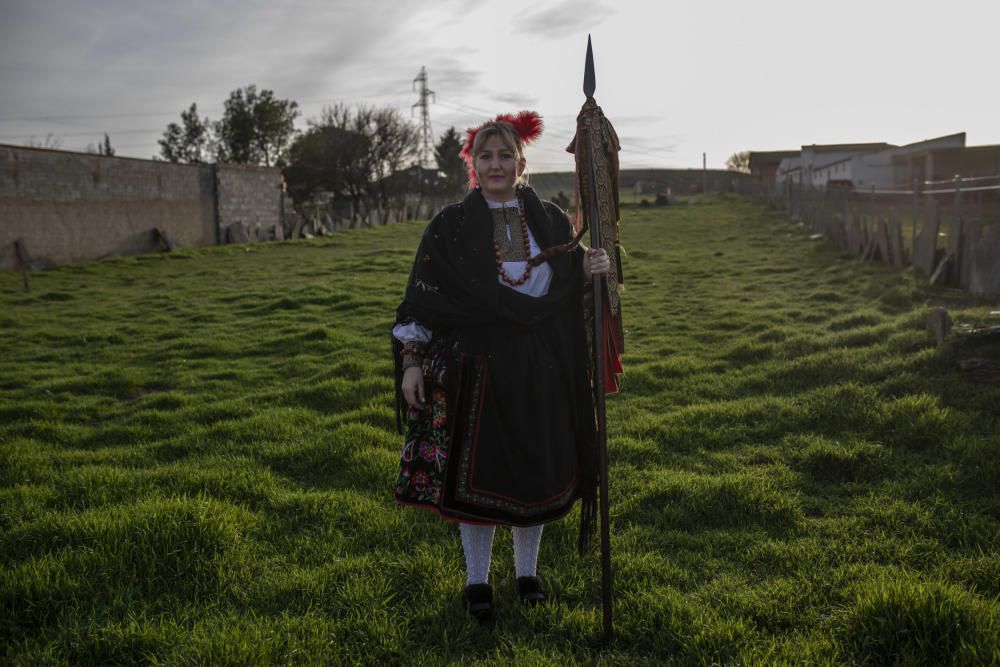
[(824, 162), (789, 171), (834, 173), (817, 164), (879, 170), (858, 166)]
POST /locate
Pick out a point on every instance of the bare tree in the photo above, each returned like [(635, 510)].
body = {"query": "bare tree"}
[(328, 158), (739, 162), (356, 153), (50, 141), (395, 143), (357, 167)]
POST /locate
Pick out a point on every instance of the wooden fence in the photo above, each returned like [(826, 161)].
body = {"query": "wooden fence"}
[(949, 231)]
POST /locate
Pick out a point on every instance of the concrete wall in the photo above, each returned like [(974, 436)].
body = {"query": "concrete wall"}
[(681, 181), (74, 207), (249, 195), (966, 162)]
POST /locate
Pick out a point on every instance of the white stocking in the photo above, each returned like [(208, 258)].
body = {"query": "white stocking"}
[(477, 541), (526, 543)]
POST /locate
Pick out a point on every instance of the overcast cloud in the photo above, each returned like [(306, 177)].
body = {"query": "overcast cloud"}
[(677, 79)]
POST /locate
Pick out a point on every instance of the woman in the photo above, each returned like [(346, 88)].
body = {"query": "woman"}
[(492, 363)]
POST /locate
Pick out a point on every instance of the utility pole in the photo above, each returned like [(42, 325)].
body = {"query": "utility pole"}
[(427, 140), (704, 174)]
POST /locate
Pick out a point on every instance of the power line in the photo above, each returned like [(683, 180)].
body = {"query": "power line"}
[(82, 134), (426, 130), (465, 108), (139, 114), (88, 116)]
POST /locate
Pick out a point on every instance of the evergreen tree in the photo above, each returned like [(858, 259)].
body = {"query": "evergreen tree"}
[(189, 142), (256, 127), (454, 172)]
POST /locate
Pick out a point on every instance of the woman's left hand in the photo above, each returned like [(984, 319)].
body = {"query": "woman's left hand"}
[(595, 263)]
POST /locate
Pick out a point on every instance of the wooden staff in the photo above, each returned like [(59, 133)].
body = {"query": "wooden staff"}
[(589, 86)]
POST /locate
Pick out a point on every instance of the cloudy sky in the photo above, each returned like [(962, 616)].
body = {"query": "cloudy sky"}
[(676, 78)]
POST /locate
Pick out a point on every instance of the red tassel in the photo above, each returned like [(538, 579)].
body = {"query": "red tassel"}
[(527, 124), (612, 352)]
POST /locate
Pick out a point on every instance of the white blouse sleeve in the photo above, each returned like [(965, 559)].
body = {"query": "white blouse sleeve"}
[(405, 333)]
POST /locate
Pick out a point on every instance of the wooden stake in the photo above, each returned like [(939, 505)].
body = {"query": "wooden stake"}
[(24, 259)]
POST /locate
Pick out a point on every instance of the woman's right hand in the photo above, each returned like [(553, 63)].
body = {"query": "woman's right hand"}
[(413, 387)]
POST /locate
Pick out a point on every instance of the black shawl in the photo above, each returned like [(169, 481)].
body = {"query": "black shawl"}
[(453, 291)]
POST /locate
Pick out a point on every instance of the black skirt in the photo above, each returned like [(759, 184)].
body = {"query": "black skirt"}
[(507, 432)]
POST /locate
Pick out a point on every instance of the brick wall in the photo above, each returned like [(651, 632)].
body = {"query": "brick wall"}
[(74, 207)]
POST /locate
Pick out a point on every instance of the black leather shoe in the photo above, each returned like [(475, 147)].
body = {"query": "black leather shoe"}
[(531, 591), (478, 599)]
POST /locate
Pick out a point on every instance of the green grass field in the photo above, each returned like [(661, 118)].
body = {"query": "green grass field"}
[(197, 452)]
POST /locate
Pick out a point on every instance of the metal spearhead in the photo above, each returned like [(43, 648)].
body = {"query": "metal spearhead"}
[(589, 79)]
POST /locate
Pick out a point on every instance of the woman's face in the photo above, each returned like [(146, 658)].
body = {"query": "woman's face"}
[(498, 168)]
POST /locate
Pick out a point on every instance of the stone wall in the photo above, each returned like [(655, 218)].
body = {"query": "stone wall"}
[(75, 207)]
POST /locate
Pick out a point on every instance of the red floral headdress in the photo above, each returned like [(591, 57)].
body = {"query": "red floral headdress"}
[(527, 124)]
